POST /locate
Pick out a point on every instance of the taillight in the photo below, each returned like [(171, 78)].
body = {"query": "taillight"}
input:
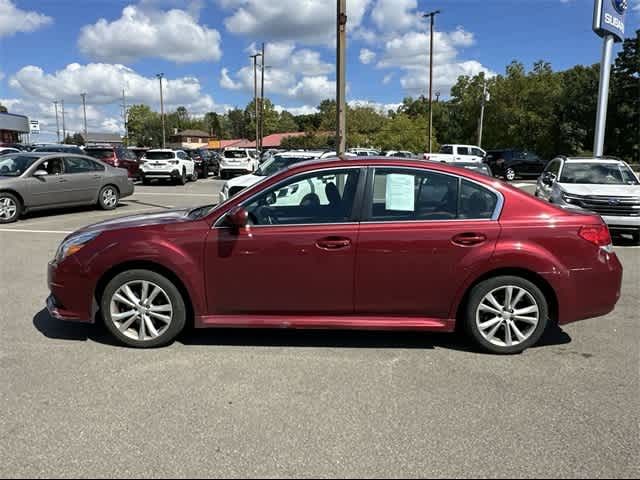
[(597, 234)]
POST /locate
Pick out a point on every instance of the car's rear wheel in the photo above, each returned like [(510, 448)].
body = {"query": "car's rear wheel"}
[(510, 174), (506, 314), (143, 309), (182, 179), (108, 197), (10, 207)]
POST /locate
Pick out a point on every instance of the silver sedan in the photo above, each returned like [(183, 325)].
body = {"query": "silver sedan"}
[(38, 181)]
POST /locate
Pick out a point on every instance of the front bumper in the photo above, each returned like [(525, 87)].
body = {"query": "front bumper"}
[(622, 223), (71, 296)]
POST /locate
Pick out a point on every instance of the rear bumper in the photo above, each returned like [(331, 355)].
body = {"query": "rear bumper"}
[(172, 174), (591, 292)]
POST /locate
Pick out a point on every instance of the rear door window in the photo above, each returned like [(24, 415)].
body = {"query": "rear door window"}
[(447, 150), (464, 151), (78, 165)]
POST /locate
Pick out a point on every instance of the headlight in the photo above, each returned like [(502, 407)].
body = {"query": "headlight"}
[(570, 199), (74, 244)]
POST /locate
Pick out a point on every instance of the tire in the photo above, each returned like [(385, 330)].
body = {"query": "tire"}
[(136, 335), (146, 181), (510, 174), (108, 198), (494, 337), (182, 179), (10, 208), (223, 175), (194, 177), (635, 237)]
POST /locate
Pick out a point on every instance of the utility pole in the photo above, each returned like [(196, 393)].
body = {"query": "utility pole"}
[(160, 76), (255, 93), (431, 16), (603, 95), (484, 100), (64, 128), (55, 103), (341, 106), (124, 117), (261, 102), (84, 110)]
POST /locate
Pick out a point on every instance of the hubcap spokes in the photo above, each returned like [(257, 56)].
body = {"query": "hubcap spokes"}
[(109, 198), (507, 316), (141, 310), (8, 208)]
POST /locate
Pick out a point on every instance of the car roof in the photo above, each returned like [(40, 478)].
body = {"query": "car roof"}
[(592, 160), (170, 150)]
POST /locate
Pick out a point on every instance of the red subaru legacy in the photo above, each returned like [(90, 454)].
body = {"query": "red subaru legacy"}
[(374, 243)]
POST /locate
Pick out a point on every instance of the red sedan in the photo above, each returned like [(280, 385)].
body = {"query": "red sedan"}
[(375, 243)]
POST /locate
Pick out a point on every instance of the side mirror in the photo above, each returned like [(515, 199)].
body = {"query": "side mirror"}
[(239, 218), (40, 173), (548, 178)]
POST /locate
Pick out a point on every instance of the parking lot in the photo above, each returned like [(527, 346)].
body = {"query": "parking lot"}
[(225, 403)]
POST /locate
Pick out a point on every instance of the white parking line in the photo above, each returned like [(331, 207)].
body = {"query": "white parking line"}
[(20, 230), (520, 185)]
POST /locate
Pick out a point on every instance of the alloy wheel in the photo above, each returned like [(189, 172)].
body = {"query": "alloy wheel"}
[(109, 197), (8, 208), (507, 316), (141, 310), (511, 174)]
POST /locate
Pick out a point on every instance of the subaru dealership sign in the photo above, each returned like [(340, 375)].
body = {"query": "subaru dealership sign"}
[(608, 18)]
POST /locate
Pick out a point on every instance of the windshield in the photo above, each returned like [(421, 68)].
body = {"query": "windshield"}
[(276, 164), (235, 154), (15, 165), (58, 149), (160, 155), (99, 153), (598, 173)]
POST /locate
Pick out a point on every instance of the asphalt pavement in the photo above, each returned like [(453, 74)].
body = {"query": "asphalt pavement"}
[(252, 403)]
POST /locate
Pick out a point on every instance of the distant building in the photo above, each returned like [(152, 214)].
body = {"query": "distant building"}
[(12, 126), (270, 141), (189, 139), (110, 138)]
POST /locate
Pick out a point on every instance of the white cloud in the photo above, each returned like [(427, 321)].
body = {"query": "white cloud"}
[(311, 21), (444, 76), (140, 32), (2, 75), (379, 107), (367, 56), (636, 7), (104, 83), (312, 90), (303, 110), (387, 78), (13, 19), (395, 15)]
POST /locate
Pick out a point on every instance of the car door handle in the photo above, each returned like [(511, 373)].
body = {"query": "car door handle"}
[(333, 243), (469, 239), (62, 180)]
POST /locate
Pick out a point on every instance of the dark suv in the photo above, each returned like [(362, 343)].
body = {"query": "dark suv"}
[(118, 156), (513, 163), (205, 162)]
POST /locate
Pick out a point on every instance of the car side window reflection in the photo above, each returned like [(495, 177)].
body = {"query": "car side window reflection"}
[(316, 198), (53, 166)]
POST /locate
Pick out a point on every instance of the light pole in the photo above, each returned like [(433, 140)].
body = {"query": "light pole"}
[(160, 76), (341, 87), (84, 110), (261, 102), (55, 103), (484, 100), (431, 16), (64, 128), (255, 93)]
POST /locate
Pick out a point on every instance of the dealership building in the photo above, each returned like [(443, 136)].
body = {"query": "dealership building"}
[(12, 127)]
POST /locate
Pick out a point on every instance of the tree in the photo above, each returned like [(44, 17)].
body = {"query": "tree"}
[(145, 126), (403, 132), (213, 124), (287, 123), (78, 139), (3, 109), (237, 127)]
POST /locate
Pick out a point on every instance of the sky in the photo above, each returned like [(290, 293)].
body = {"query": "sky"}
[(57, 49)]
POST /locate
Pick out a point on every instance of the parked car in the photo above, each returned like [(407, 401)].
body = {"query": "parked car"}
[(513, 163), (117, 156), (6, 150), (457, 153), (270, 167), (238, 161), (139, 151), (607, 187), (364, 152), (166, 164), (385, 244), (399, 154), (59, 148), (477, 167), (204, 162), (36, 181)]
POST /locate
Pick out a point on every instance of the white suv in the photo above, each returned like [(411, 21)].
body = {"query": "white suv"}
[(165, 164), (238, 161)]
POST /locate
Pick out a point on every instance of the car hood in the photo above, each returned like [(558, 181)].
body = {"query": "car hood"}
[(142, 220), (601, 190), (244, 180)]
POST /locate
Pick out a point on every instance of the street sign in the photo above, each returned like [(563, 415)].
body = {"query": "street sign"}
[(34, 126), (608, 18)]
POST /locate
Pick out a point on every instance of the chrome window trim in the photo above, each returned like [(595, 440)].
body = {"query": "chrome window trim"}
[(495, 216)]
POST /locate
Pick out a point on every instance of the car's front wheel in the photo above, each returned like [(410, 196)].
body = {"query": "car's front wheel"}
[(194, 176), (506, 314), (143, 309), (510, 174), (10, 207)]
